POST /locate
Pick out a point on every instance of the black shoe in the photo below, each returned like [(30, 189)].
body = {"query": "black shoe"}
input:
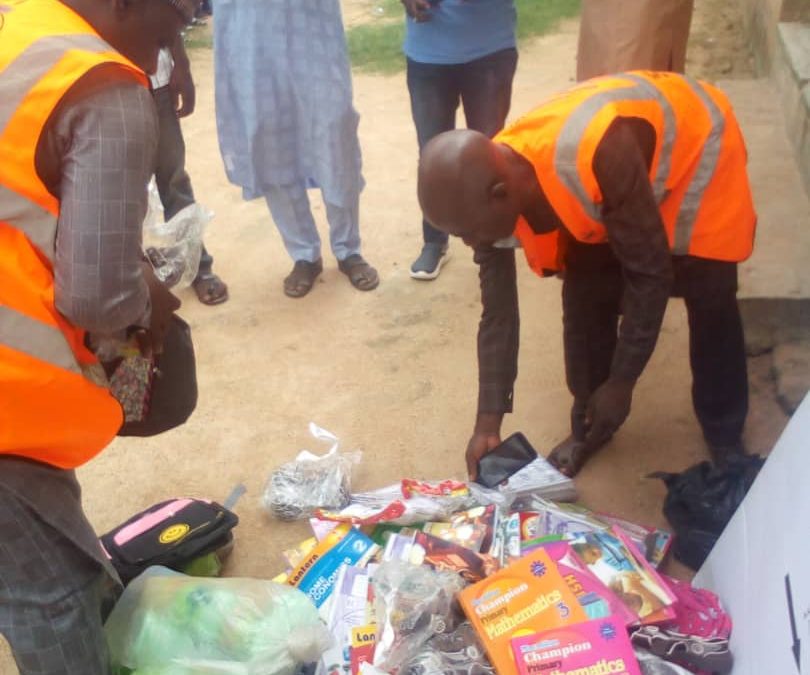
[(430, 262)]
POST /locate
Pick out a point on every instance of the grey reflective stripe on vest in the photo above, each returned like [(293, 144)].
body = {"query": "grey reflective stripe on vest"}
[(29, 336), (568, 142), (18, 79), (670, 130), (707, 164), (23, 73), (508, 242), (31, 219)]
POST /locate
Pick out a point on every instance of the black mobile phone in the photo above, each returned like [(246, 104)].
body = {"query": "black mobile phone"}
[(505, 460)]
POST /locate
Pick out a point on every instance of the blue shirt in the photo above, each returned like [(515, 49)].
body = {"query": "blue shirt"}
[(460, 31)]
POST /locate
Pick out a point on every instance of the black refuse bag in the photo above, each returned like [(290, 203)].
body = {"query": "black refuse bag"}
[(701, 500)]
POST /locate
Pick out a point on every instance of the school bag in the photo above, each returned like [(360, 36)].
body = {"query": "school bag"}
[(174, 533)]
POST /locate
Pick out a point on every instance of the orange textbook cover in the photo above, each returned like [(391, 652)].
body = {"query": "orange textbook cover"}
[(526, 597)]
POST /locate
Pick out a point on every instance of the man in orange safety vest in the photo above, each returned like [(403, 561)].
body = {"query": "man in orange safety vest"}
[(634, 187), (78, 136)]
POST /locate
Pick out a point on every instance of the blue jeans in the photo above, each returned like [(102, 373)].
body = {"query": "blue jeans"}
[(483, 86)]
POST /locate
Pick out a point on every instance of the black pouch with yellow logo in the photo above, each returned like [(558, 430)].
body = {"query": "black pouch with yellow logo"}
[(173, 533)]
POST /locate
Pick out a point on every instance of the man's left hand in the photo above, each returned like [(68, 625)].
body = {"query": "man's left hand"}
[(181, 86), (608, 408)]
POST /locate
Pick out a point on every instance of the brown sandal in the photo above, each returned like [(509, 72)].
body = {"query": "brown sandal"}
[(361, 275), (210, 289), (302, 278)]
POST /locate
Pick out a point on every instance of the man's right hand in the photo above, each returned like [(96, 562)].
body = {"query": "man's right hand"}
[(164, 304), (485, 438), (418, 10)]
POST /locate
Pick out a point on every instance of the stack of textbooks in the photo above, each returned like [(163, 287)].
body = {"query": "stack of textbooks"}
[(548, 588), (565, 606)]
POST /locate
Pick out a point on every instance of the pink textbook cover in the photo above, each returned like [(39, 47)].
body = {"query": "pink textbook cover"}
[(600, 646), (596, 599)]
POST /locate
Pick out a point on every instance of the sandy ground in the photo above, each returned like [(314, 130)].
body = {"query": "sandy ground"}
[(391, 372)]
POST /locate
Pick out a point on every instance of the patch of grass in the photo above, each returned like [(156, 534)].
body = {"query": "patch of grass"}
[(376, 46), (199, 37), (537, 17)]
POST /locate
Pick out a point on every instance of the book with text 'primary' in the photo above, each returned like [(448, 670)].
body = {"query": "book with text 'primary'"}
[(598, 647), (526, 597)]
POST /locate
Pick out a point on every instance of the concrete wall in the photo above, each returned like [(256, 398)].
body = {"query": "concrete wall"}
[(790, 69), (760, 19), (779, 33)]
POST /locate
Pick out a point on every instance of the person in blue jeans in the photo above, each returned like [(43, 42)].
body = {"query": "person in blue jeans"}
[(458, 51)]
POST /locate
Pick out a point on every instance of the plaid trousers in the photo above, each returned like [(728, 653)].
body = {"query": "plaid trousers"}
[(51, 594)]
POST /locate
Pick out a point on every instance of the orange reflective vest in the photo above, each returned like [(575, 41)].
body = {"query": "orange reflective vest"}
[(51, 409), (698, 172)]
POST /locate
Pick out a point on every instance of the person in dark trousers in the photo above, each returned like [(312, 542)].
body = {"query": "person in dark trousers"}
[(174, 94), (635, 187), (457, 51)]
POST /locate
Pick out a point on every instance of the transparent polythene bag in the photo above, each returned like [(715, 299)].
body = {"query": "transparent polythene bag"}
[(174, 247), (167, 622), (413, 603), (298, 488)]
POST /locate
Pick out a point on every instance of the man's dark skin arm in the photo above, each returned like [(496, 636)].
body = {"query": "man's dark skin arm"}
[(181, 84), (498, 341), (637, 237)]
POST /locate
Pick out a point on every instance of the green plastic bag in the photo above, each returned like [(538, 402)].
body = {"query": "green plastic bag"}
[(167, 623)]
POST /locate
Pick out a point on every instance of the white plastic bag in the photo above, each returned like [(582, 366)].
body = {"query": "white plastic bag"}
[(538, 478), (296, 489), (174, 248), (413, 603), (167, 622)]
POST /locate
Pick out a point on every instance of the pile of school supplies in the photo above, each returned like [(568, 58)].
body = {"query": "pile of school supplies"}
[(434, 578), (517, 587)]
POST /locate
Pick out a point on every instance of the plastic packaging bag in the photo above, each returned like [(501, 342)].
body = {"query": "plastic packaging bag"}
[(698, 611), (174, 248), (405, 503), (412, 604), (296, 489), (456, 653), (539, 478), (701, 500), (166, 622)]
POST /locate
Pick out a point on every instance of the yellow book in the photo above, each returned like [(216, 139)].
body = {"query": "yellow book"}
[(526, 597)]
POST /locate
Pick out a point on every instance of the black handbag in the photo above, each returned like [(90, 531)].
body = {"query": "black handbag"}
[(173, 395)]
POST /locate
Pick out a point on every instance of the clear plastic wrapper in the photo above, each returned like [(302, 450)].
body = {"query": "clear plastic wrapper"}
[(538, 478), (413, 603), (170, 623), (406, 503), (174, 247), (310, 482), (456, 653)]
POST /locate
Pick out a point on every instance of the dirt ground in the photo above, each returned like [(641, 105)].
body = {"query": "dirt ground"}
[(391, 372)]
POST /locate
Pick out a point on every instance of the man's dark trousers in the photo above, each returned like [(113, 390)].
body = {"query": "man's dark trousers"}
[(483, 86), (171, 178), (592, 292)]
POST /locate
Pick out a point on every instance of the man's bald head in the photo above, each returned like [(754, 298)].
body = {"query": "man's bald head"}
[(466, 187)]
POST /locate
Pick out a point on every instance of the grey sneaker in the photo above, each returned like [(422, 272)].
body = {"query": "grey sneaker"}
[(430, 262)]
